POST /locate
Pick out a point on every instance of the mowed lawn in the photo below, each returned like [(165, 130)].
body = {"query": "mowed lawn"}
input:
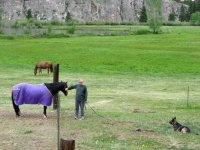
[(136, 84)]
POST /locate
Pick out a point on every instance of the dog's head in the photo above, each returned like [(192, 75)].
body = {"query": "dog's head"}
[(175, 124), (173, 121)]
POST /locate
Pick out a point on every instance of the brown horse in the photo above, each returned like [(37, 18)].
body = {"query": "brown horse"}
[(43, 65)]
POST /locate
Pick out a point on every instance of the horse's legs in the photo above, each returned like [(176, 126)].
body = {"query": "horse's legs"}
[(48, 70), (16, 108), (40, 71), (45, 112)]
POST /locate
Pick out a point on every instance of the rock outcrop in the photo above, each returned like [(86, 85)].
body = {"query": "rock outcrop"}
[(82, 10)]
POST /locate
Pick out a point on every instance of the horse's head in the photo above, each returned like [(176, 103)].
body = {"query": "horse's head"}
[(35, 71), (64, 87)]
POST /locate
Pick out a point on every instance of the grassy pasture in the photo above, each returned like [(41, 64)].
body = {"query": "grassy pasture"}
[(149, 73)]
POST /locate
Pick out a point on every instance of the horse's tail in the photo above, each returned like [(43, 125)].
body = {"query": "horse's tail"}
[(13, 100), (51, 68), (16, 108)]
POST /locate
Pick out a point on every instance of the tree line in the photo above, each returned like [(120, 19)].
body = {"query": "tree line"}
[(188, 13), (188, 10)]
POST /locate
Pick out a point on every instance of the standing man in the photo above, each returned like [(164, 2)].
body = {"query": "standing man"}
[(81, 97)]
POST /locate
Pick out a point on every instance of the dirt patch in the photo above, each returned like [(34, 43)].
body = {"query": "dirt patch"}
[(175, 145), (143, 111), (103, 102), (143, 130)]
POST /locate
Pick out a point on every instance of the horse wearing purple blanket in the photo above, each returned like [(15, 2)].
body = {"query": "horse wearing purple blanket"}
[(25, 93)]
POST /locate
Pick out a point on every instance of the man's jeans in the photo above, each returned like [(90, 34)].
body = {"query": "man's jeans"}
[(81, 104)]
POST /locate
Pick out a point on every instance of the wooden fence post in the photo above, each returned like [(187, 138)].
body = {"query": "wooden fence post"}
[(55, 79), (66, 144)]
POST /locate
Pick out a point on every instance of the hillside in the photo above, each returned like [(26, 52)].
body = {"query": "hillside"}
[(82, 10)]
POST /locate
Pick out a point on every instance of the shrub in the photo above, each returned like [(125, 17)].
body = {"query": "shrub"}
[(49, 30), (107, 23), (1, 30), (113, 23), (141, 31), (72, 29), (195, 18), (15, 25), (171, 23), (23, 23), (168, 23), (44, 23), (55, 22), (46, 35), (26, 31), (90, 23), (8, 37), (128, 23), (72, 22), (31, 20), (38, 24)]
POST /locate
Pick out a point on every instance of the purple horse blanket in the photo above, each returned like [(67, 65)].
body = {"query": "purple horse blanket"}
[(24, 93)]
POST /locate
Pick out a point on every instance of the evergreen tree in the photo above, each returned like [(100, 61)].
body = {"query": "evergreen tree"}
[(143, 15), (187, 16), (29, 14), (192, 7), (1, 11), (182, 16), (68, 17), (172, 17), (198, 5)]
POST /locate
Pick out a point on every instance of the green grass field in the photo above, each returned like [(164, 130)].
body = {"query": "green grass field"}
[(146, 73)]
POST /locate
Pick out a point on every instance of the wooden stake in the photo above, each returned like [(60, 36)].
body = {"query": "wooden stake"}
[(66, 144), (188, 95), (55, 79), (58, 118)]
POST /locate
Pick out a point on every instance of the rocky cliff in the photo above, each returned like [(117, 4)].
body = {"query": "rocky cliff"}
[(82, 10)]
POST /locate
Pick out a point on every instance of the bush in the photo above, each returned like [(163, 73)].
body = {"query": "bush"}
[(128, 23), (141, 31), (26, 31), (185, 23), (107, 23), (72, 29), (49, 30), (15, 25), (171, 23), (1, 30), (72, 22), (98, 22), (23, 23), (44, 23), (195, 18), (38, 24), (31, 20), (55, 22), (168, 23), (113, 23), (143, 24), (8, 37), (90, 23), (46, 35)]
